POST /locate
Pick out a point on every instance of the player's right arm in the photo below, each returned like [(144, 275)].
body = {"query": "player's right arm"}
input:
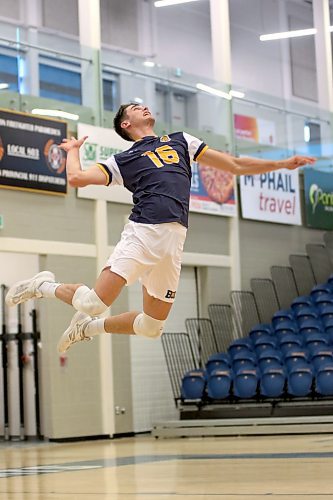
[(75, 175)]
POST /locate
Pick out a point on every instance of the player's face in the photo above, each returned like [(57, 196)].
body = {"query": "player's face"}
[(138, 115)]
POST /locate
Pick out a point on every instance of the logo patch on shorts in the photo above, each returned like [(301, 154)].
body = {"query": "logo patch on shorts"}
[(170, 294)]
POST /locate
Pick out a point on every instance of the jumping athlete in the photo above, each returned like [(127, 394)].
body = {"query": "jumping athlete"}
[(157, 170)]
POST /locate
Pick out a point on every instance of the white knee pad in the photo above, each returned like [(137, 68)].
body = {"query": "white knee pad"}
[(148, 327), (87, 301)]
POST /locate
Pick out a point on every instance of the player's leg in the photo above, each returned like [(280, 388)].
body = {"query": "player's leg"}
[(160, 280), (148, 323), (84, 299)]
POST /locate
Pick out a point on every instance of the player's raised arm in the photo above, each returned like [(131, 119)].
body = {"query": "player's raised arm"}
[(75, 175), (251, 166)]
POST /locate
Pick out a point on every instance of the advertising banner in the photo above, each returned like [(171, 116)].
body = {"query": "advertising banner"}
[(253, 129), (318, 189), (271, 197), (30, 158), (212, 191)]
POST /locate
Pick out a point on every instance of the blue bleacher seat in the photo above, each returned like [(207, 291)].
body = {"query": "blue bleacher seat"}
[(239, 345), (219, 384), (300, 302), (291, 344), (319, 290), (323, 299), (290, 347), (296, 358), (310, 325), (315, 340), (328, 328), (326, 312), (269, 358), (300, 381), (259, 330), (321, 358), (244, 360), (286, 326), (245, 384), (264, 342), (219, 361), (324, 381), (305, 313), (193, 385), (289, 337), (272, 382), (282, 315)]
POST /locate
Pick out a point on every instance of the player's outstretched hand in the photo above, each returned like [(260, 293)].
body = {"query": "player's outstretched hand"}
[(68, 144), (298, 161)]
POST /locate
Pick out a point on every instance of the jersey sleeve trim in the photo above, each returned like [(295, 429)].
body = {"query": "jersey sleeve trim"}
[(105, 171), (200, 151)]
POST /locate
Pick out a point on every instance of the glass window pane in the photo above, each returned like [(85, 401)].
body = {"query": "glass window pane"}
[(8, 72), (59, 83)]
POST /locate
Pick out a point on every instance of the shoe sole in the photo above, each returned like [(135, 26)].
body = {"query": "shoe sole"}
[(10, 294)]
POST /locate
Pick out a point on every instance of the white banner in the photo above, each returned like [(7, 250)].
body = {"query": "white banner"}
[(100, 145), (271, 197)]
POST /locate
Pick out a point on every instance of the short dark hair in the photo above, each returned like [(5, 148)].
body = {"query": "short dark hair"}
[(119, 118)]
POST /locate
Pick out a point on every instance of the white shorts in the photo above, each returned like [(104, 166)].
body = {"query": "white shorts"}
[(151, 253)]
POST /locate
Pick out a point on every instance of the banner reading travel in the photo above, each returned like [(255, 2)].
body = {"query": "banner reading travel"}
[(318, 189), (212, 191), (254, 129), (30, 158), (272, 197)]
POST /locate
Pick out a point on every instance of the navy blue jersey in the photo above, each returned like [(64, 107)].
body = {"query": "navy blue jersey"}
[(157, 170)]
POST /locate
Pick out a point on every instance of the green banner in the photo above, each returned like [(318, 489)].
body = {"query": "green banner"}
[(318, 187)]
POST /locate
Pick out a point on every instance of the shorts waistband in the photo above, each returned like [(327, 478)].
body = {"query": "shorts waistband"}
[(175, 226)]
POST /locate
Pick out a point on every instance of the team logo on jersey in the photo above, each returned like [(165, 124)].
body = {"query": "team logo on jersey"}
[(170, 294), (165, 138)]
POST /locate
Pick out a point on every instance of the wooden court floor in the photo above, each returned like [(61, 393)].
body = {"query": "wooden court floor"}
[(235, 468)]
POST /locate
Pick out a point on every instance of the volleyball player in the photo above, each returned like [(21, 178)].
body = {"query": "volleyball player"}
[(157, 170)]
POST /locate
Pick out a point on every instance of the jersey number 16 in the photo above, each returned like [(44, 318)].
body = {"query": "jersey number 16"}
[(162, 155)]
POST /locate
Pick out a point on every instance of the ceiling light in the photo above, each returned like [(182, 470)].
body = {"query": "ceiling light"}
[(149, 64), (55, 112), (166, 3), (288, 34), (4, 86), (213, 91), (237, 93)]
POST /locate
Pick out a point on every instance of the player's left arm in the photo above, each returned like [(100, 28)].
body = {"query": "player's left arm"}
[(250, 166)]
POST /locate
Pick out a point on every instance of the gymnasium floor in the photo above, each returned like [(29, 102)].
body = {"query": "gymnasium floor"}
[(235, 468)]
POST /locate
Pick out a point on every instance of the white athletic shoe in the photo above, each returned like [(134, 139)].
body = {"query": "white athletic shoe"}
[(28, 289), (75, 332)]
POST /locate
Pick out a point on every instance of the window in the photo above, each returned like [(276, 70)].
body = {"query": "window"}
[(60, 83), (172, 105), (9, 72), (111, 92)]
